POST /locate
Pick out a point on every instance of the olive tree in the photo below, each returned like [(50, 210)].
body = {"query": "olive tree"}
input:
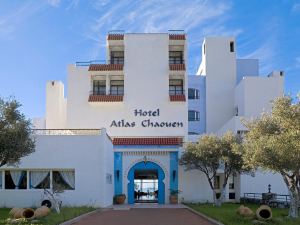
[(211, 153), (15, 133), (273, 144)]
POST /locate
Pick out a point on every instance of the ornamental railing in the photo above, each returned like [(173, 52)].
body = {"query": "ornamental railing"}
[(67, 131)]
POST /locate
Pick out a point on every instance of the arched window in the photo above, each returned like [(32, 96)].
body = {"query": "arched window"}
[(194, 115), (193, 93)]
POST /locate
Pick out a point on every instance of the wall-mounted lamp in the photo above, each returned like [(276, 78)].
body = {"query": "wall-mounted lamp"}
[(118, 174), (174, 174)]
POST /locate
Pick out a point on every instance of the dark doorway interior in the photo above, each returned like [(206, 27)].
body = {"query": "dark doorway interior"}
[(146, 186)]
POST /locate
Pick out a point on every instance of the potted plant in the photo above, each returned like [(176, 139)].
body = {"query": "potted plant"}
[(120, 199), (173, 198)]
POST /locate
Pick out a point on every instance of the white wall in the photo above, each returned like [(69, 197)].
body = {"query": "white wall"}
[(259, 183), (194, 186), (87, 155), (55, 105), (146, 87), (255, 94), (246, 67), (220, 68)]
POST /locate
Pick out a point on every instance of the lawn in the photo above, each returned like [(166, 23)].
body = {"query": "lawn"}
[(226, 214), (67, 213)]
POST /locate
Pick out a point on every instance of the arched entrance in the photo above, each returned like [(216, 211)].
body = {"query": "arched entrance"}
[(146, 183)]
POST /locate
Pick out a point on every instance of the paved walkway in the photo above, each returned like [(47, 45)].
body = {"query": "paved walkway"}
[(145, 216)]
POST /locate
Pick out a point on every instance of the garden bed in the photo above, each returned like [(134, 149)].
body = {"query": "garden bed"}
[(67, 213), (227, 215)]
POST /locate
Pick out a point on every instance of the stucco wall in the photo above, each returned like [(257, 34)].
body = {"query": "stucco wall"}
[(146, 87), (89, 156)]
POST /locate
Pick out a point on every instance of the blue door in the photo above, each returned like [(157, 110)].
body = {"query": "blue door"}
[(146, 166)]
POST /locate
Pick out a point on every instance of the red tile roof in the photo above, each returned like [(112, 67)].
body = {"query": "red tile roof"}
[(105, 67), (115, 37), (148, 141), (177, 66), (105, 98), (177, 36), (177, 98)]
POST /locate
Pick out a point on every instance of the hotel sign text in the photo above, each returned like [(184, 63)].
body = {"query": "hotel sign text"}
[(147, 122)]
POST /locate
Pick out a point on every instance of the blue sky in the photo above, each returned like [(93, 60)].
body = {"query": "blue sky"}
[(39, 38)]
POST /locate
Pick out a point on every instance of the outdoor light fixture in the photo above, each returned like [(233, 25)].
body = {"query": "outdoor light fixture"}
[(269, 188), (174, 174), (118, 174)]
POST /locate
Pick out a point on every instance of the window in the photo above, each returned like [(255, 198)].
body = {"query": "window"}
[(15, 179), (99, 87), (231, 195), (231, 182), (193, 93), (217, 182), (176, 87), (194, 115), (117, 87), (117, 57), (231, 46), (175, 57), (63, 180), (39, 179), (193, 133)]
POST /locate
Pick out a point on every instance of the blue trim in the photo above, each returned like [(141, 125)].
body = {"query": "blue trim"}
[(146, 166), (118, 172), (146, 146), (173, 170)]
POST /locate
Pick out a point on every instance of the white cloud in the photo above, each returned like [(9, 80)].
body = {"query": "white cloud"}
[(54, 3), (12, 20), (160, 16)]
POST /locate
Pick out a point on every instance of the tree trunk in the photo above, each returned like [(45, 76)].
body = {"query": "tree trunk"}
[(223, 195), (291, 182), (215, 198), (294, 204)]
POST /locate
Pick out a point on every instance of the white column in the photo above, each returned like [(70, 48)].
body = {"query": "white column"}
[(51, 179), (3, 179), (28, 180), (107, 84)]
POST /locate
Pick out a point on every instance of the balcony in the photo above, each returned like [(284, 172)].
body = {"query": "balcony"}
[(112, 96), (176, 66), (103, 65), (177, 95), (176, 35), (115, 35)]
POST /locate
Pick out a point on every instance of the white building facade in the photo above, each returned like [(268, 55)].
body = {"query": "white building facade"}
[(123, 125)]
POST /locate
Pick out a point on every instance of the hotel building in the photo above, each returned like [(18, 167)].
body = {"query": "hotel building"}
[(123, 123)]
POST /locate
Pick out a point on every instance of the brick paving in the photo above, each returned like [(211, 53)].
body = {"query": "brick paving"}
[(140, 216)]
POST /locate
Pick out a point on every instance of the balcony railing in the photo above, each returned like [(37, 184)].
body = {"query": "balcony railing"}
[(176, 61), (176, 92), (119, 61), (110, 92), (67, 131), (176, 35), (177, 95)]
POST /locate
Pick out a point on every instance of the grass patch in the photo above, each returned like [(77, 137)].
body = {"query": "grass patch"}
[(227, 215), (66, 213)]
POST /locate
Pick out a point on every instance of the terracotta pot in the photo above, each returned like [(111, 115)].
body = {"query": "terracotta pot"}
[(173, 199), (120, 199)]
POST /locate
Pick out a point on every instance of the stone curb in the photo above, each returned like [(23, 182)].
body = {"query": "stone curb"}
[(76, 219), (204, 216)]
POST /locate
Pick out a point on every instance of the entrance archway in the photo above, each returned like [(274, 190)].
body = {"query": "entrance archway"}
[(152, 172)]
